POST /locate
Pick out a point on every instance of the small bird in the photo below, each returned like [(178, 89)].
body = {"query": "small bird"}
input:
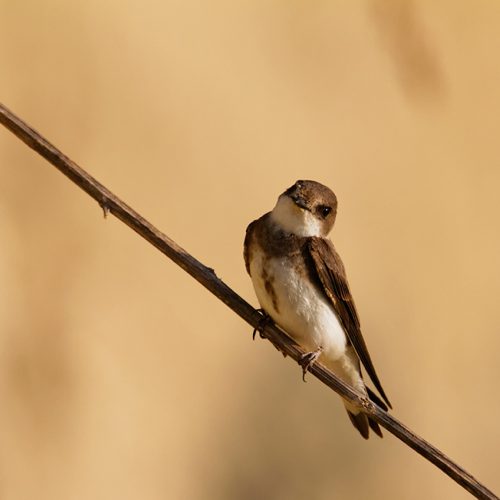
[(300, 282)]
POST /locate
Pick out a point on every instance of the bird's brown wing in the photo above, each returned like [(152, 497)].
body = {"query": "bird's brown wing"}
[(246, 246), (331, 273)]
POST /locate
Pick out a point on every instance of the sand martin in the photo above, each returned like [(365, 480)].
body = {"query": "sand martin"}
[(300, 282)]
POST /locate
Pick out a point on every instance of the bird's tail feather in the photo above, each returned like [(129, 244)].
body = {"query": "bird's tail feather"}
[(376, 399), (364, 423), (360, 421)]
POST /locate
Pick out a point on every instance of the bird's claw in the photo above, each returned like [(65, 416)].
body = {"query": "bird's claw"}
[(308, 359), (263, 322)]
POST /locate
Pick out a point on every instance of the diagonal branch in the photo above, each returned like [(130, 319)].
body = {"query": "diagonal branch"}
[(207, 277)]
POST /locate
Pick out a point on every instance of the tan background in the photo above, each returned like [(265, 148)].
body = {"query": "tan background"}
[(120, 377)]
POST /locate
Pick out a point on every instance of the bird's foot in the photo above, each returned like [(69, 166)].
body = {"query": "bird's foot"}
[(308, 359), (263, 322)]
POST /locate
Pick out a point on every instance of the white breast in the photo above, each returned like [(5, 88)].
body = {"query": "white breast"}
[(292, 219), (303, 312)]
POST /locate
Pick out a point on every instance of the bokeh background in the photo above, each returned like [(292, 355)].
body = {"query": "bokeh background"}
[(121, 377)]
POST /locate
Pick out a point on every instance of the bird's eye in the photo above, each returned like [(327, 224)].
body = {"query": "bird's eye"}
[(324, 210)]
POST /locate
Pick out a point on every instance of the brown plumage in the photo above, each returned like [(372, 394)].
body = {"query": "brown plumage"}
[(331, 273), (287, 254)]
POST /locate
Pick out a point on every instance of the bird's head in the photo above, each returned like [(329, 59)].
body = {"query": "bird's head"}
[(307, 208)]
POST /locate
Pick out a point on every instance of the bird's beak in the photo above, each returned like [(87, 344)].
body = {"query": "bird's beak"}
[(299, 201)]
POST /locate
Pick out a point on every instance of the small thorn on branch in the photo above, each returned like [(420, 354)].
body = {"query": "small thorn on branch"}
[(105, 208)]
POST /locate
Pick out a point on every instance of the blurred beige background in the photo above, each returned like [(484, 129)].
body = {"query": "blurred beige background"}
[(121, 377)]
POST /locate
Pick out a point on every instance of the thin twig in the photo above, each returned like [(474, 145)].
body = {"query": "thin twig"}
[(207, 277)]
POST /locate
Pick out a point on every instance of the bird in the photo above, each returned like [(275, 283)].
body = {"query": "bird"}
[(301, 284)]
